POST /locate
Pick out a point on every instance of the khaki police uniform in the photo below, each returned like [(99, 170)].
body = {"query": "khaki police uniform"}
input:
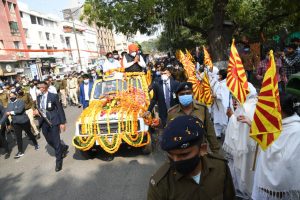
[(201, 112), (215, 182), (63, 92), (29, 106), (4, 99)]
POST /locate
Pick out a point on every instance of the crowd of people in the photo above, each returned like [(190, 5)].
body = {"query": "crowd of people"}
[(197, 138)]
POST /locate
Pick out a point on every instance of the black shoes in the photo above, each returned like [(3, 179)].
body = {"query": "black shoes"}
[(19, 155), (64, 154), (65, 151), (7, 155), (58, 166)]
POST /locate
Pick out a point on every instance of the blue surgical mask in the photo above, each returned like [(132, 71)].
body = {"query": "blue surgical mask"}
[(186, 100), (111, 60)]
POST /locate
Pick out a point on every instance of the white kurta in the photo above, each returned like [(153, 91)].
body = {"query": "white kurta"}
[(220, 106), (241, 149), (278, 167), (111, 65)]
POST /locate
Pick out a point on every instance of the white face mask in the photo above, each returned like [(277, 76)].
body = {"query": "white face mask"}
[(133, 54), (86, 81), (164, 77)]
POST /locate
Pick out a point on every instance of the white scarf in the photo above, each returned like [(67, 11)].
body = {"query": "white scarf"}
[(278, 167)]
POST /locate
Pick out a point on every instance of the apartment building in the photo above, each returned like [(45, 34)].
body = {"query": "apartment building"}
[(12, 36)]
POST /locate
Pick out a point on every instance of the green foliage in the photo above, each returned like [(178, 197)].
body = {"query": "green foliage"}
[(190, 22)]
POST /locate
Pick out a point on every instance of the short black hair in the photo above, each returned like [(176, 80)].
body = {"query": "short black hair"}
[(123, 53), (108, 54), (164, 69), (43, 83), (115, 52), (223, 73), (287, 102), (85, 76)]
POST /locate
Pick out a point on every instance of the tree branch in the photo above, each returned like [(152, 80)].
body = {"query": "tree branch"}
[(194, 28), (276, 17)]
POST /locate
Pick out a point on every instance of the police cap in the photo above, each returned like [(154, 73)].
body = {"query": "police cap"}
[(182, 132), (184, 86)]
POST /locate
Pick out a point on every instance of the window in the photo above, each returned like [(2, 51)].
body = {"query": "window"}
[(33, 19), (1, 44), (42, 47), (53, 36), (47, 36), (26, 32), (21, 14), (11, 7), (40, 21), (62, 39), (41, 35), (28, 46), (2, 47), (13, 27), (17, 44)]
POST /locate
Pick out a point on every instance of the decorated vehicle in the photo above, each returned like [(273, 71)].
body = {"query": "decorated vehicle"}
[(114, 115)]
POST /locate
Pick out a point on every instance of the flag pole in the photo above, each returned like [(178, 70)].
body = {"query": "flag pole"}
[(255, 157)]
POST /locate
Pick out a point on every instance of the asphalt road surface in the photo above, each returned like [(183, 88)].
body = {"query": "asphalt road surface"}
[(124, 176)]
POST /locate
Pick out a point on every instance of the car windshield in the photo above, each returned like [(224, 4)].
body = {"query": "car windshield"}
[(108, 87)]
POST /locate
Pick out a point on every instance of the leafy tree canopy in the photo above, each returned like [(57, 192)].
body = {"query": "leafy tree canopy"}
[(186, 22)]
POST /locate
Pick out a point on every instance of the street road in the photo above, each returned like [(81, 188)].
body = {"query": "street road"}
[(124, 176)]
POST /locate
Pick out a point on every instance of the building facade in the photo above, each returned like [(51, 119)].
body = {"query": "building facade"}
[(12, 38), (86, 44), (45, 33), (121, 42)]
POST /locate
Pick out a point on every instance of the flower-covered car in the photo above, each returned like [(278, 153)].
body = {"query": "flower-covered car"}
[(114, 115)]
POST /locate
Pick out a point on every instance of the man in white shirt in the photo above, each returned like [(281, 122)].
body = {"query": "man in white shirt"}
[(133, 62), (110, 64), (221, 103)]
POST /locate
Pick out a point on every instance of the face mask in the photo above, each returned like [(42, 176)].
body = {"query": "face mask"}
[(13, 90), (12, 99), (164, 77), (186, 100), (133, 54), (17, 85), (111, 60), (86, 81), (116, 56), (246, 49), (93, 74), (185, 167), (158, 73)]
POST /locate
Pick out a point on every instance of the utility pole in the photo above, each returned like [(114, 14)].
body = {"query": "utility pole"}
[(70, 13)]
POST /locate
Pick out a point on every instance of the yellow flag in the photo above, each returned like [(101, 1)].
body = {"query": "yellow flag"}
[(267, 122), (207, 59), (236, 77)]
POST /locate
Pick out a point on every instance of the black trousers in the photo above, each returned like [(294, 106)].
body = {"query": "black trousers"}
[(3, 138), (18, 131), (52, 136)]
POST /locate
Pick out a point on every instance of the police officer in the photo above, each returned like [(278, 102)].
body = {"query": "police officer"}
[(52, 121), (29, 107), (3, 97), (191, 173), (188, 106)]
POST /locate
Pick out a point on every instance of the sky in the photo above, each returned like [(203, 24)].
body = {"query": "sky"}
[(52, 6), (56, 6)]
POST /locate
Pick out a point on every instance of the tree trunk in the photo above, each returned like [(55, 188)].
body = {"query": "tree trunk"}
[(218, 38)]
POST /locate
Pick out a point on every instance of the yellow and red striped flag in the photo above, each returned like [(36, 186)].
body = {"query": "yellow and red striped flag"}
[(207, 99), (207, 59), (236, 77), (267, 122), (189, 56)]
